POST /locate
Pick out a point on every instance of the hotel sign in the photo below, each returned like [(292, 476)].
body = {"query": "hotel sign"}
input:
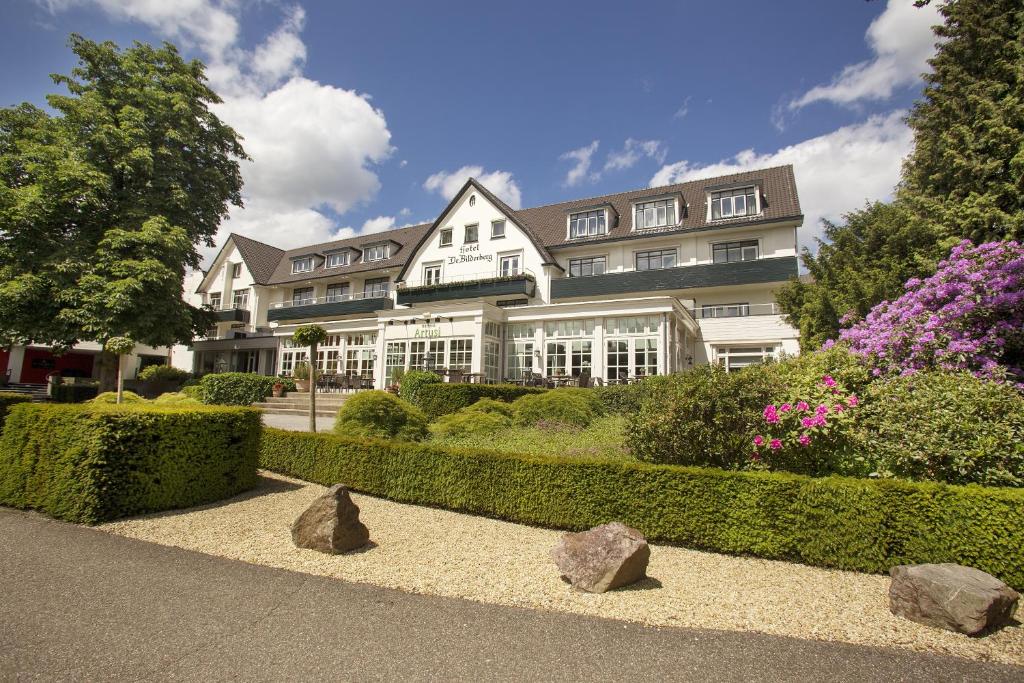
[(469, 254)]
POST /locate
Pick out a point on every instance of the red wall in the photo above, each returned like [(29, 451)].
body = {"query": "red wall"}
[(5, 356), (69, 361)]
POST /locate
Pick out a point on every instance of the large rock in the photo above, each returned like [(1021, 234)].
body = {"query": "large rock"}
[(951, 596), (331, 524), (603, 558)]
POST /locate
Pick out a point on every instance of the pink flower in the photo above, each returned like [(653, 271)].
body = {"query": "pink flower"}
[(775, 444), (804, 440), (852, 401), (828, 381), (807, 422), (838, 408), (802, 405), (822, 409), (758, 440), (785, 407)]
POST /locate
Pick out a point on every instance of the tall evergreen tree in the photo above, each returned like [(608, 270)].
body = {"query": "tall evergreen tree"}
[(104, 205)]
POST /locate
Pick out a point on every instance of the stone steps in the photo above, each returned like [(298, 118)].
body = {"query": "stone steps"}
[(327, 404), (295, 411), (37, 392)]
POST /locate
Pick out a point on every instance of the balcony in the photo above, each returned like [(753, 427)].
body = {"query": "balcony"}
[(733, 311), (681, 277), (330, 306), (230, 314), (468, 286)]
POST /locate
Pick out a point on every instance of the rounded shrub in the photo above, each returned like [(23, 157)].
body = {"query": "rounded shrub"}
[(569, 407), (413, 380), (175, 398), (799, 375), (469, 421), (382, 415), (111, 397), (163, 373), (489, 406), (194, 391), (948, 427)]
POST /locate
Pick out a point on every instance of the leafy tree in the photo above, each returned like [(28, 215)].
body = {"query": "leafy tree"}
[(120, 347), (311, 336), (104, 204), (966, 173)]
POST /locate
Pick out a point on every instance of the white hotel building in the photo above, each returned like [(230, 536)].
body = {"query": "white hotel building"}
[(637, 283)]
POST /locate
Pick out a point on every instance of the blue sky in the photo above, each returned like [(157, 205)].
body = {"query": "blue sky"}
[(362, 116)]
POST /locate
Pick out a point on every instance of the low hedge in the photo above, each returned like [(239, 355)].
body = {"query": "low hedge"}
[(74, 393), (88, 463), (9, 399), (436, 400), (240, 388), (855, 524)]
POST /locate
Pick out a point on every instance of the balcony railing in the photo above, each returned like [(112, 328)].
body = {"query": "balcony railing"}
[(728, 311), (334, 304), (235, 314), (468, 286)]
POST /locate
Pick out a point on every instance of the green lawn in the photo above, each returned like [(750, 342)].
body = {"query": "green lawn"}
[(602, 439)]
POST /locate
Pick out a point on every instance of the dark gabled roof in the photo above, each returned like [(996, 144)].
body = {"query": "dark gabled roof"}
[(261, 259), (777, 186), (404, 237), (513, 216)]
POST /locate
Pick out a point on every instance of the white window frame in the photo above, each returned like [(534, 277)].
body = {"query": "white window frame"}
[(578, 259), (653, 203), (306, 300), (296, 265), (240, 298), (450, 232), (741, 242), (476, 234), (216, 298), (748, 190), (343, 258), (432, 273), (374, 284), (591, 215), (724, 353), (508, 258), (739, 310), (636, 256), (371, 251), (346, 294), (495, 235)]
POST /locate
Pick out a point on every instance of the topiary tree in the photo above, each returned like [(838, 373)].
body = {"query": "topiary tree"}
[(311, 336), (119, 346), (969, 316)]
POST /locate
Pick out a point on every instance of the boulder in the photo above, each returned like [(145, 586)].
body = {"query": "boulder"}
[(603, 558), (951, 596), (331, 524)]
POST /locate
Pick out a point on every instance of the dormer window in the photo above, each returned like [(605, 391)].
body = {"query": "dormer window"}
[(656, 214), (376, 252), (302, 265), (337, 259), (588, 224), (741, 201)]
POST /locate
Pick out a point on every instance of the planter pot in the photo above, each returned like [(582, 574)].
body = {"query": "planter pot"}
[(302, 385), (277, 390)]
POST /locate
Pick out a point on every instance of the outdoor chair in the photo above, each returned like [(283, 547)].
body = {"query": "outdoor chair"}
[(455, 377), (584, 379)]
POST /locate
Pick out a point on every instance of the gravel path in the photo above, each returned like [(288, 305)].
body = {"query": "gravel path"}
[(424, 550), (298, 423)]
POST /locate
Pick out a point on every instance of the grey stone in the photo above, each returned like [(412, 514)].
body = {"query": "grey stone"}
[(603, 558), (951, 596), (331, 524)]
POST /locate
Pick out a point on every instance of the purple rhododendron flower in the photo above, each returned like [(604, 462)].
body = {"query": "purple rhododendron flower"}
[(804, 440), (785, 408), (802, 405), (775, 444), (758, 440)]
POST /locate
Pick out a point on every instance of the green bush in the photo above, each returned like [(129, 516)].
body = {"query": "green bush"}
[(74, 393), (163, 373), (574, 407), (705, 416), (380, 414), (194, 391), (111, 397), (436, 400), (238, 388), (468, 421), (943, 426), (855, 524), (411, 383), (9, 399), (490, 406), (92, 463), (175, 398), (622, 399), (802, 374)]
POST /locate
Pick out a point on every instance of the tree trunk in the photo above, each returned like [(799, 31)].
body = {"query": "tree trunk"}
[(120, 377), (108, 364), (312, 387)]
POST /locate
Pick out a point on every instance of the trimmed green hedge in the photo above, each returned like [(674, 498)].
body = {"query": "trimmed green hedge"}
[(74, 393), (436, 400), (857, 524), (240, 388), (90, 464), (9, 399)]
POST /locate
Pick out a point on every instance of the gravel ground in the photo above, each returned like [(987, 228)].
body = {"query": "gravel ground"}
[(424, 550)]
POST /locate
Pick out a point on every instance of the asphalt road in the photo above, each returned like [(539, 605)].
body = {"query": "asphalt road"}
[(80, 604)]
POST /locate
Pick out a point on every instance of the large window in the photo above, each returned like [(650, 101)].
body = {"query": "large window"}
[(497, 230), (394, 360), (557, 357), (733, 203), (376, 252), (460, 354), (509, 265), (359, 363), (570, 328), (617, 359), (338, 292), (432, 274), (472, 234), (520, 359), (337, 259), (446, 237), (655, 260), (240, 298), (215, 300), (732, 252), (590, 265), (426, 354), (645, 356), (737, 357), (655, 214), (580, 360), (302, 296), (492, 361), (302, 265), (587, 224), (290, 358), (375, 288), (634, 324), (724, 310)]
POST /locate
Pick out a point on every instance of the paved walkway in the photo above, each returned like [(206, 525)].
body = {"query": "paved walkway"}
[(298, 423), (78, 603)]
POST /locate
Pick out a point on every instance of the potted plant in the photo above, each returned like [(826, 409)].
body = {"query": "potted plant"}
[(277, 390), (301, 375)]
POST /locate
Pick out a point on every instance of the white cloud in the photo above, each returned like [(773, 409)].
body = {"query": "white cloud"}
[(835, 173), (901, 39), (581, 169), (632, 151), (378, 224), (683, 110), (313, 145), (501, 183)]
